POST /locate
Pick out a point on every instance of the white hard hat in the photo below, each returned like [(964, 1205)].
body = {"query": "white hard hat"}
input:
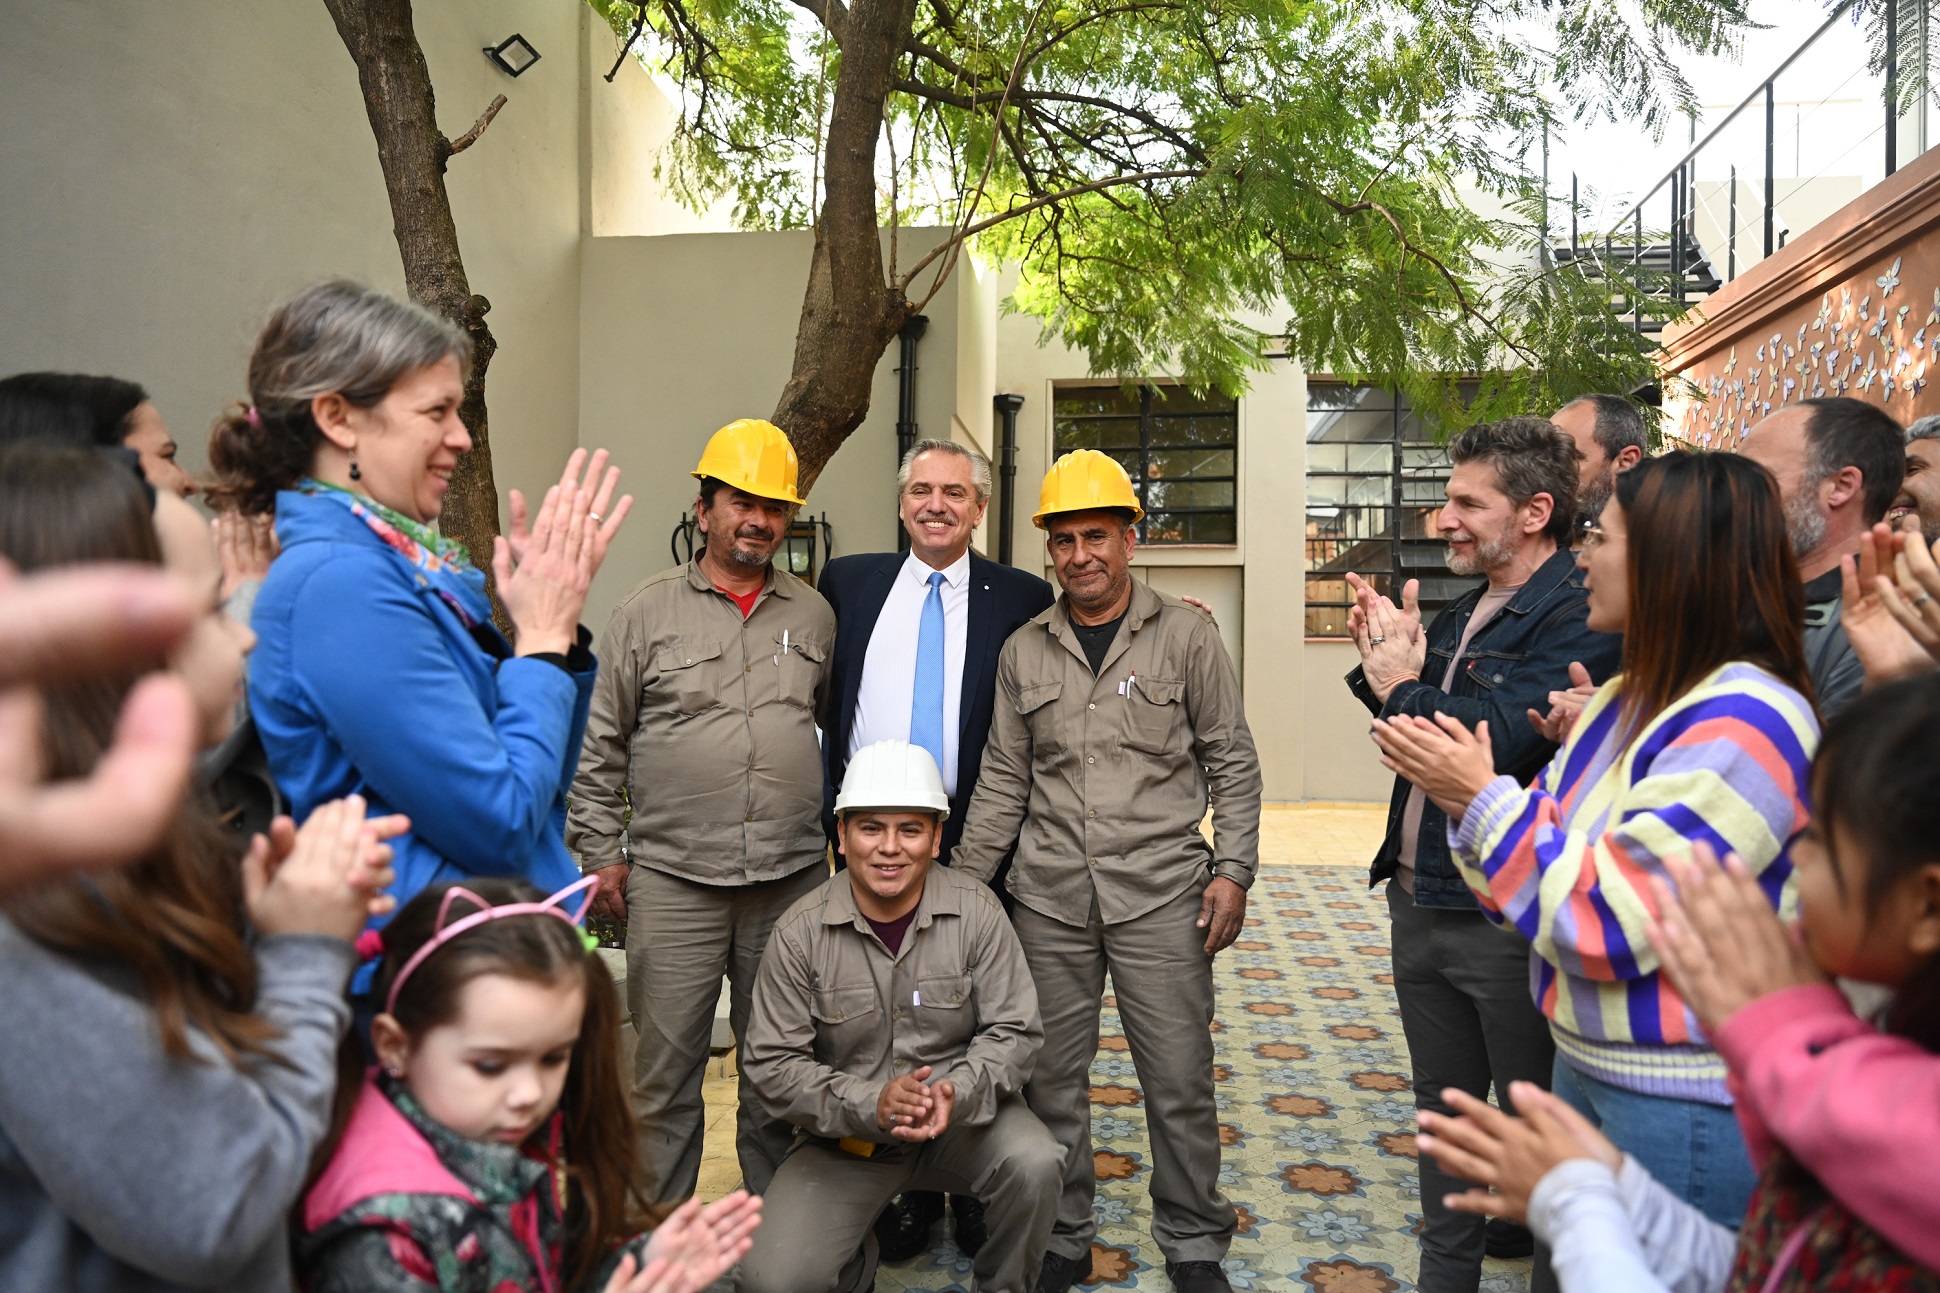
[(893, 775)]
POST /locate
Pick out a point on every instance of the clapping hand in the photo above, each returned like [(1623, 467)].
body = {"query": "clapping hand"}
[(1883, 643), (246, 545), (543, 574), (1507, 1156), (909, 1110), (1719, 939), (1451, 764), (692, 1248), (1390, 639), (1565, 707), (325, 878)]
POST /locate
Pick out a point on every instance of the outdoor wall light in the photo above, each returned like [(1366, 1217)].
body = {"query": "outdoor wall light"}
[(513, 55)]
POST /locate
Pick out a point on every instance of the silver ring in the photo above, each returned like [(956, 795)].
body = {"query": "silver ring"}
[(1923, 598), (596, 518), (1376, 641)]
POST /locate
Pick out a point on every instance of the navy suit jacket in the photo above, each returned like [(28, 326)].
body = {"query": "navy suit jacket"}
[(1002, 600)]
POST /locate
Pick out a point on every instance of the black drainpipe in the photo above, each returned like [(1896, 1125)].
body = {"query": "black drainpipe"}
[(1007, 406), (911, 333)]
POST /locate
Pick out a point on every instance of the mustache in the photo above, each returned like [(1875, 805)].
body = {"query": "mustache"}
[(754, 532)]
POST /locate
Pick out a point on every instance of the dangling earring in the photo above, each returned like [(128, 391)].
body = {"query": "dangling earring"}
[(355, 472)]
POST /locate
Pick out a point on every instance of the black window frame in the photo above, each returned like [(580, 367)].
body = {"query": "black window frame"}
[(1145, 417), (1418, 468)]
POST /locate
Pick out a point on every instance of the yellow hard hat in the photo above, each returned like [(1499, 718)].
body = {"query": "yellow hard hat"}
[(1083, 481), (755, 457)]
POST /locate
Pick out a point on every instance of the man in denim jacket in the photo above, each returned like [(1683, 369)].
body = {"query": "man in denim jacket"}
[(1492, 655)]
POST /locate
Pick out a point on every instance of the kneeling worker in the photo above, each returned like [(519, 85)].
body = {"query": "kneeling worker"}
[(895, 1024)]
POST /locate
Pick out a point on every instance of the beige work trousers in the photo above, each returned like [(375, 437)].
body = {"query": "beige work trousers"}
[(816, 1221), (681, 938), (1162, 978)]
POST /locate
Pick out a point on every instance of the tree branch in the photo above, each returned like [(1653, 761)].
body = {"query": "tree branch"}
[(971, 230), (453, 147), (832, 14), (639, 25)]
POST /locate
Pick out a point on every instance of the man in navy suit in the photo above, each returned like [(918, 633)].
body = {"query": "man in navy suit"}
[(916, 642)]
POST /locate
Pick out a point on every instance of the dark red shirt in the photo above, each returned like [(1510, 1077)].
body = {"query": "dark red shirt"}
[(894, 931)]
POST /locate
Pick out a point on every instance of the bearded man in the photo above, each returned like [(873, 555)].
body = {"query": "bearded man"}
[(1492, 655)]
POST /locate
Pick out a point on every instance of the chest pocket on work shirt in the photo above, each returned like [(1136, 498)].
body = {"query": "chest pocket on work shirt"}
[(945, 1014), (801, 669), (1040, 715), (1154, 715), (686, 678), (845, 1019)]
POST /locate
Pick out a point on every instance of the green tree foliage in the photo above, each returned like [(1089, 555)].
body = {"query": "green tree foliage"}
[(1184, 185)]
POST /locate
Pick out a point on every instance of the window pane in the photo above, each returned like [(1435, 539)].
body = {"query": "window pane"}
[(1082, 401), (1096, 433), (1334, 395), (1199, 430), (1368, 491), (1202, 527), (1445, 588), (1350, 426), (1177, 399), (1355, 473), (1176, 464), (1326, 457), (1419, 523), (1423, 556), (1377, 458), (1188, 493), (1326, 621)]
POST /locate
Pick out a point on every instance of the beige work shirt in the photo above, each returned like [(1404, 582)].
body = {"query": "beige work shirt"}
[(836, 1016), (704, 725), (1103, 781)]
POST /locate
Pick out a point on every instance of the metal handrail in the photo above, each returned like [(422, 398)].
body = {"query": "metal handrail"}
[(1763, 90)]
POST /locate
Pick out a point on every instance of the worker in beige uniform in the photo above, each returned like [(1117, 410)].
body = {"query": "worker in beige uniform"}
[(703, 726), (1118, 712), (895, 1024)]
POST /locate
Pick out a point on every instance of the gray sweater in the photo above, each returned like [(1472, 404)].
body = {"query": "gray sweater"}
[(122, 1169)]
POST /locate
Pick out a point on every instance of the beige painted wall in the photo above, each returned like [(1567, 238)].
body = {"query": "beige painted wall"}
[(682, 334), (174, 170)]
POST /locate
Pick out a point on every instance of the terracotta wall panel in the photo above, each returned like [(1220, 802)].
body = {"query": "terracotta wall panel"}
[(1852, 307)]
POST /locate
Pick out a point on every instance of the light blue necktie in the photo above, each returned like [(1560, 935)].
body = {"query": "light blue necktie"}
[(926, 700)]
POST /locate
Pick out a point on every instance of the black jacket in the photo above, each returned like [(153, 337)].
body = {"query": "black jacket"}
[(1513, 663), (1002, 600)]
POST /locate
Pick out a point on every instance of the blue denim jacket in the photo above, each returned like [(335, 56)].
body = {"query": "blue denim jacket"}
[(1513, 663)]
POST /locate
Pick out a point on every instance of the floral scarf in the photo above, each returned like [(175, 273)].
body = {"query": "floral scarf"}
[(416, 542)]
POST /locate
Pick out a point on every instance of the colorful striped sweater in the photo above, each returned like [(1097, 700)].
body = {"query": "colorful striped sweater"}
[(1565, 861)]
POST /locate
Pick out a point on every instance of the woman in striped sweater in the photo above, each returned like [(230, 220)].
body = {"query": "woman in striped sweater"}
[(1706, 735)]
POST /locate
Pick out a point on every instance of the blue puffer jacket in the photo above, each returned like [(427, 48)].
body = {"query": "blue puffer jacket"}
[(366, 680)]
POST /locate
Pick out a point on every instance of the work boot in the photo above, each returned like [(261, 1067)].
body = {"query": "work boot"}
[(1502, 1238), (971, 1229), (903, 1229), (1061, 1274), (1197, 1277)]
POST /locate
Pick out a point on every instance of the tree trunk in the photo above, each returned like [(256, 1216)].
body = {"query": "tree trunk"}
[(412, 151), (849, 314)]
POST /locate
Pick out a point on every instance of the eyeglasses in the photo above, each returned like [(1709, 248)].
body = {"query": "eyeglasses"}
[(1594, 536)]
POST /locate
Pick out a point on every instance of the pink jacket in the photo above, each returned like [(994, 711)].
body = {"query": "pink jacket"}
[(1859, 1109)]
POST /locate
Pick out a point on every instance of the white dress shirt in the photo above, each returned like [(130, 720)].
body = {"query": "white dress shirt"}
[(888, 691)]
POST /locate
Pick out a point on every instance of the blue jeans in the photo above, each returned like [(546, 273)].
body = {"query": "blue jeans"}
[(1694, 1149)]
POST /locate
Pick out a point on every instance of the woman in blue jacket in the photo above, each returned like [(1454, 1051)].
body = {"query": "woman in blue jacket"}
[(379, 670)]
